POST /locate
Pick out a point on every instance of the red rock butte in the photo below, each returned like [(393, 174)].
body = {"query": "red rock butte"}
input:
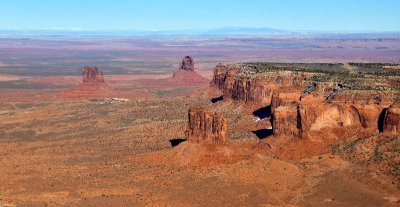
[(205, 126), (187, 76), (187, 64), (184, 76), (93, 85), (91, 73)]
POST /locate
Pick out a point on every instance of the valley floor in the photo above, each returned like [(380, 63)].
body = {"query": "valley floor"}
[(85, 153)]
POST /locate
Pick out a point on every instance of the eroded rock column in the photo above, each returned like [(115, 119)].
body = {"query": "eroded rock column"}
[(206, 127)]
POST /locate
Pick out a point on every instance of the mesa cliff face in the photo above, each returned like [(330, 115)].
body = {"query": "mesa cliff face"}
[(206, 127), (240, 85), (315, 101)]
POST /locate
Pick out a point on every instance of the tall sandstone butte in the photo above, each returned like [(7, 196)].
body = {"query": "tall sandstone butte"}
[(92, 73), (187, 64), (206, 127), (92, 85)]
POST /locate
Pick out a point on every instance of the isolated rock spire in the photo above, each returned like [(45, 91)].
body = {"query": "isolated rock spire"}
[(187, 64), (91, 73), (206, 127)]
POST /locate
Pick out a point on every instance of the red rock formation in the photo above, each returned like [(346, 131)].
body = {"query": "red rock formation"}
[(317, 122), (91, 73), (287, 122), (206, 127), (369, 114), (219, 76), (187, 64), (321, 109), (92, 86), (185, 76), (391, 123), (329, 121), (284, 98), (252, 88)]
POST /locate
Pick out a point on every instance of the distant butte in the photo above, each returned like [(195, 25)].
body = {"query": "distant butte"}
[(91, 73), (184, 76), (187, 64), (93, 85), (187, 76)]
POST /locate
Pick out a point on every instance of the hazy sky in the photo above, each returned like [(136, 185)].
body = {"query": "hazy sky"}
[(328, 15)]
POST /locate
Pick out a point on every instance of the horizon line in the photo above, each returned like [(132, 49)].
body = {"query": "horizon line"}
[(272, 30)]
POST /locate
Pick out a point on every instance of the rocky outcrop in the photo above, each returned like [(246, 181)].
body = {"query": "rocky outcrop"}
[(320, 121), (92, 74), (369, 115), (219, 76), (92, 86), (187, 64), (286, 121), (206, 127), (243, 86), (185, 76), (316, 101), (391, 124), (284, 98)]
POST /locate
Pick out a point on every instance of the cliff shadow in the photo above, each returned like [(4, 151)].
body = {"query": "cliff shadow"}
[(263, 133), (175, 142), (381, 119), (263, 112), (217, 99)]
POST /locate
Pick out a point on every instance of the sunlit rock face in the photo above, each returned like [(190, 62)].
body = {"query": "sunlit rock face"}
[(206, 127), (314, 101)]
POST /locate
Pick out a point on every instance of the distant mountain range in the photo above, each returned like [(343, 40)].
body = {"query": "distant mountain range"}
[(226, 31)]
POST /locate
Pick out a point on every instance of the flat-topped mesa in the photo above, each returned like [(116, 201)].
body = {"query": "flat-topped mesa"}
[(319, 101), (187, 64), (92, 74), (239, 83), (206, 127)]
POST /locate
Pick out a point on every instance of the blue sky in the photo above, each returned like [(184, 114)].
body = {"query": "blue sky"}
[(321, 15)]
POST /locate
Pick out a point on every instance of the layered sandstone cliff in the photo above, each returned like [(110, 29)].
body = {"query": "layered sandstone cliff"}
[(206, 127), (242, 85), (315, 101)]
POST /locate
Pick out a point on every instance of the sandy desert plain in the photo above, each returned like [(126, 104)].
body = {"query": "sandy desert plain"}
[(280, 122)]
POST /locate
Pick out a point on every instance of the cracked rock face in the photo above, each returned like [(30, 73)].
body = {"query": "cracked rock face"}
[(206, 127), (187, 64), (92, 74)]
